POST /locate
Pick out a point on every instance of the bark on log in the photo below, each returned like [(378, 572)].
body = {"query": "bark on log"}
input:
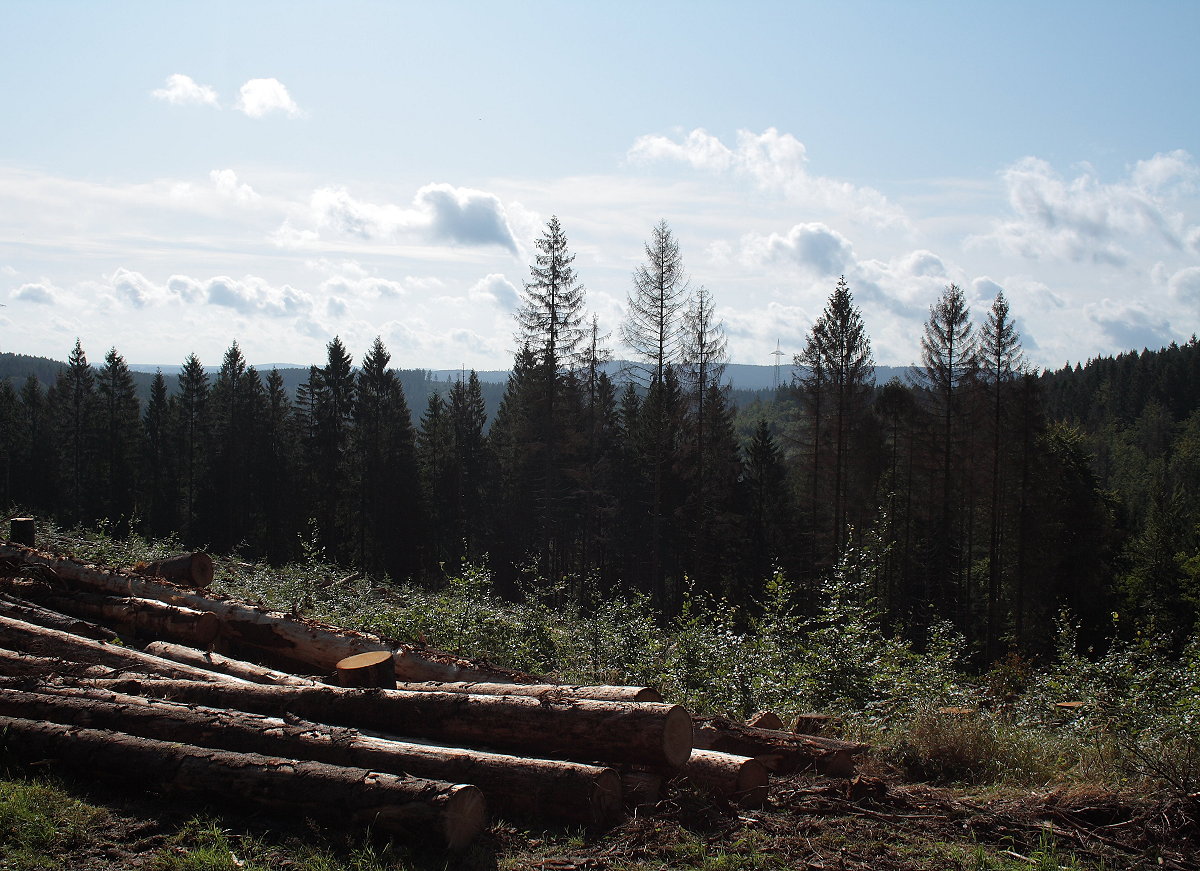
[(738, 779), (579, 729), (22, 531), (781, 752), (385, 802), (641, 788), (139, 617), (536, 789), (375, 669), (811, 724), (248, 671), (283, 639), (41, 641), (39, 615), (190, 569), (14, 664)]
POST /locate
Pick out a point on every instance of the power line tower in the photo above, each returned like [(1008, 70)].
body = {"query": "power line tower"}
[(776, 354)]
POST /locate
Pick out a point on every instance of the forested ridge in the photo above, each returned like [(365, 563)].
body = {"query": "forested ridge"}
[(975, 491)]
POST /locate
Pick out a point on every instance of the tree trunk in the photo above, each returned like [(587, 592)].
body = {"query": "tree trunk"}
[(740, 779), (781, 752), (583, 729), (30, 612), (385, 802), (536, 789), (225, 665), (143, 618), (23, 531), (23, 665), (189, 569), (283, 639), (375, 669), (19, 635)]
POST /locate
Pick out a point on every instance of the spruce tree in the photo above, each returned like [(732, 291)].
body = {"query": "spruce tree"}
[(118, 439)]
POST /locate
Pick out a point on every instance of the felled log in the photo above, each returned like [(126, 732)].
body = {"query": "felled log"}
[(387, 803), (282, 639), (541, 690), (42, 641), (640, 787), (22, 665), (248, 671), (39, 615), (741, 780), (765, 720), (136, 616), (580, 729), (779, 751), (374, 669), (190, 569), (537, 789), (22, 530)]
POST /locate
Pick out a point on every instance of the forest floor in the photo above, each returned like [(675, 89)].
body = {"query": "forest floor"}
[(874, 822)]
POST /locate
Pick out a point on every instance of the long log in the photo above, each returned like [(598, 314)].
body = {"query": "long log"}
[(190, 569), (39, 615), (248, 671), (739, 779), (579, 729), (536, 789), (284, 639), (41, 641), (386, 802), (779, 751), (137, 616), (14, 664)]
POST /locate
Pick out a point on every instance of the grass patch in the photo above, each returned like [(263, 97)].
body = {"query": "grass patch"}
[(40, 822)]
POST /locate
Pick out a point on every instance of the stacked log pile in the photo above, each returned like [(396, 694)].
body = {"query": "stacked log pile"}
[(226, 701)]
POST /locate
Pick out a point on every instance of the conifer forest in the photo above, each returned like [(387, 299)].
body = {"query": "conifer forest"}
[(977, 491)]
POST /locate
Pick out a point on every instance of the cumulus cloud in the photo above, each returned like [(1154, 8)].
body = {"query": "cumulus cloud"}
[(259, 97), (135, 288), (227, 185), (1129, 324), (1086, 220), (496, 290), (814, 247), (41, 293), (772, 161), (1184, 285), (441, 212), (181, 90), (349, 278), (252, 295)]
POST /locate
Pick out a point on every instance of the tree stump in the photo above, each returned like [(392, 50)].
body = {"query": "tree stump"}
[(22, 530), (766, 720), (376, 668)]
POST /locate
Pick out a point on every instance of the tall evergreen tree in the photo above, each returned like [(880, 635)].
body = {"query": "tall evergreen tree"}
[(159, 461), (658, 296), (75, 403), (333, 398), (118, 438), (193, 440)]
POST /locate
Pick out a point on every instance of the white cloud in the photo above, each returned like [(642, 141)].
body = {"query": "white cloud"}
[(336, 307), (136, 289), (496, 290), (1087, 220), (259, 97), (294, 238), (181, 90), (814, 247), (41, 293), (1129, 324), (441, 212), (226, 182), (773, 161), (1184, 285), (252, 295)]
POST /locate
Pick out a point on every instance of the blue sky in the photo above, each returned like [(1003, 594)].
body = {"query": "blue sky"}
[(177, 176)]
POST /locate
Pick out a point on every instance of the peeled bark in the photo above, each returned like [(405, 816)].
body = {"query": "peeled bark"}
[(282, 639), (536, 789), (190, 569), (41, 641), (248, 671), (779, 751), (386, 802), (582, 729), (30, 612), (739, 779)]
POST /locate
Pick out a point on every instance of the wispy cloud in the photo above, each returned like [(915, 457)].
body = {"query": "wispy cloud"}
[(181, 90), (260, 97)]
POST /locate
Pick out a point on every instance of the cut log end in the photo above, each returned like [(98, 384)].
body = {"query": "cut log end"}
[(766, 720), (740, 779), (677, 737), (193, 569), (607, 799), (465, 816), (376, 668)]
